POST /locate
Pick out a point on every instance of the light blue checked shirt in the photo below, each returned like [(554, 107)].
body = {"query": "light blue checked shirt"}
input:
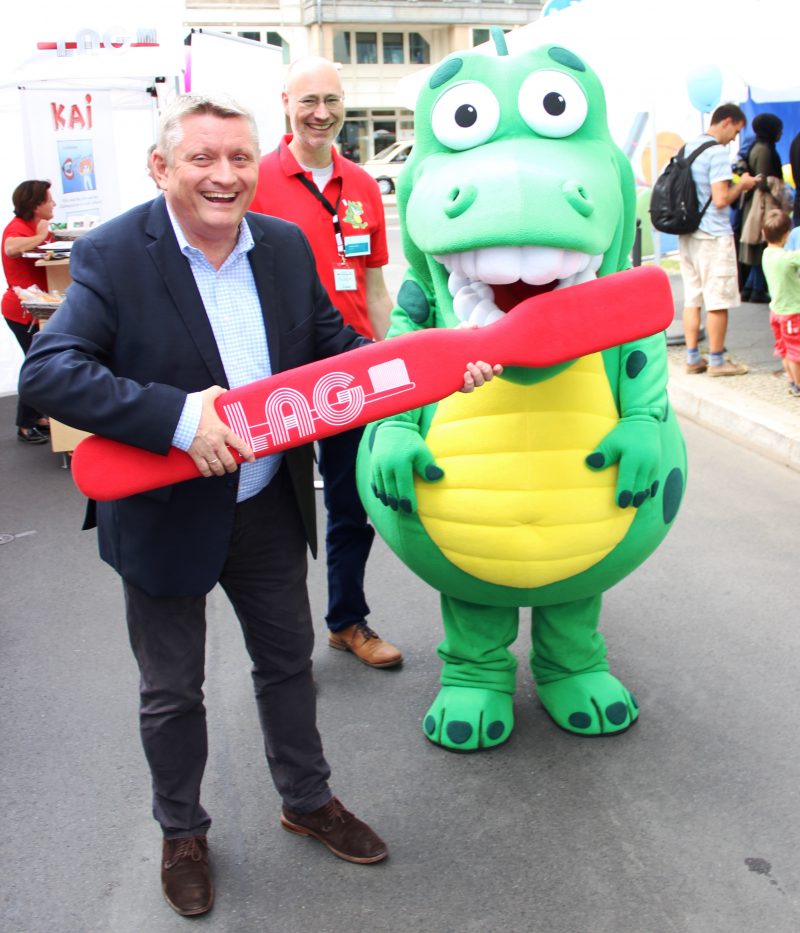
[(234, 311)]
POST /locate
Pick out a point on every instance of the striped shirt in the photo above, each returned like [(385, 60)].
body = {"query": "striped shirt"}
[(233, 307)]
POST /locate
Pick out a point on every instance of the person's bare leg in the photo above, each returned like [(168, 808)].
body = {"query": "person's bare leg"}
[(691, 327), (717, 325), (695, 363), (793, 370)]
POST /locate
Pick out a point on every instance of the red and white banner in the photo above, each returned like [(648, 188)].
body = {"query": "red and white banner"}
[(94, 39)]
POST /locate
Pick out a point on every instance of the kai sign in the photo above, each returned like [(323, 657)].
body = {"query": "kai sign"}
[(72, 116)]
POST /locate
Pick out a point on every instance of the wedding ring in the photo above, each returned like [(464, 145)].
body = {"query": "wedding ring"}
[(215, 460)]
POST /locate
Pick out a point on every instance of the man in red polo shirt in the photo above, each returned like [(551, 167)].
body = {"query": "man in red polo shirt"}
[(339, 208)]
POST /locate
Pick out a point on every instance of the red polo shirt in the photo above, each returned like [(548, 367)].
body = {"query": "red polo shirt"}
[(20, 272), (360, 209)]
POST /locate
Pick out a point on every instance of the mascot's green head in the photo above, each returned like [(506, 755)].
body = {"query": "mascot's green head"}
[(514, 185)]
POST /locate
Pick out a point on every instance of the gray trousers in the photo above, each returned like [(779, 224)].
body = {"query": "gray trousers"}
[(265, 579)]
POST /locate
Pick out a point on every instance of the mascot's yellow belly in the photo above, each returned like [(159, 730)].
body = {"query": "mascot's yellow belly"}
[(517, 505)]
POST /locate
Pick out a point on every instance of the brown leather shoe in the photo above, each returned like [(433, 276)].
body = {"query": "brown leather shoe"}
[(337, 829), (185, 875), (366, 645)]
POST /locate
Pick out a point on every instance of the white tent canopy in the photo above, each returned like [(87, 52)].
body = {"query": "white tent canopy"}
[(102, 47)]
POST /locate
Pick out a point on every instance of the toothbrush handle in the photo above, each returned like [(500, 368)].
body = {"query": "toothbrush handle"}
[(382, 379)]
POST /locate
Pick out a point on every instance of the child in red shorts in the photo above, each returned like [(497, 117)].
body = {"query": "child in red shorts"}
[(782, 271)]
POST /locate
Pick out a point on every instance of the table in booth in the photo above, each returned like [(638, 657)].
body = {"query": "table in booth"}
[(57, 271)]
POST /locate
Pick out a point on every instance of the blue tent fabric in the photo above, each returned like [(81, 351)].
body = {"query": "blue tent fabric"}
[(788, 111)]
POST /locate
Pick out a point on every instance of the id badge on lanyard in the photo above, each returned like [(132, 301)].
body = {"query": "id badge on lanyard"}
[(344, 275)]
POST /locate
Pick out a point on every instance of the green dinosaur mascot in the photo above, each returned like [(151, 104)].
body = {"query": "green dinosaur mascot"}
[(547, 486)]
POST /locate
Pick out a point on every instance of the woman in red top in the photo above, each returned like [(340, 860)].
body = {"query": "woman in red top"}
[(33, 211)]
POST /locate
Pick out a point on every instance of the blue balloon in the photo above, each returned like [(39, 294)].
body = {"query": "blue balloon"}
[(705, 87)]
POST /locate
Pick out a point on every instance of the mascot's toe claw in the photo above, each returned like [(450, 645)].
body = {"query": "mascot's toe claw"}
[(590, 704), (468, 719), (459, 732)]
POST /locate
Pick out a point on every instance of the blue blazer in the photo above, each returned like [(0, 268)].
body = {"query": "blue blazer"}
[(128, 343)]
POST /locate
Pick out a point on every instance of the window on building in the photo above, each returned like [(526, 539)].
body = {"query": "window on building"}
[(353, 139), (384, 130), (367, 48), (254, 36), (479, 36), (341, 47), (393, 48), (419, 51), (276, 39)]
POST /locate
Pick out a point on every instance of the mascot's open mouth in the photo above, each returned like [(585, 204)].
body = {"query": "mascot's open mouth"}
[(485, 283)]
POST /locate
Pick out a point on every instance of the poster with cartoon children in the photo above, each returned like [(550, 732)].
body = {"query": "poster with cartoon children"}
[(76, 158)]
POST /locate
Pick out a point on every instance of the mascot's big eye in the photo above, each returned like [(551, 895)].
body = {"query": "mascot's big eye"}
[(465, 116), (552, 103)]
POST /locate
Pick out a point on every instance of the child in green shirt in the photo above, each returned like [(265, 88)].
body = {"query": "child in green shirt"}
[(782, 271)]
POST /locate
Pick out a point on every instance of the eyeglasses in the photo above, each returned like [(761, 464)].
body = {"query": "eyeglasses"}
[(331, 102)]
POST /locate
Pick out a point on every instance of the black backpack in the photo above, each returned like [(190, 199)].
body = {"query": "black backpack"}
[(673, 203)]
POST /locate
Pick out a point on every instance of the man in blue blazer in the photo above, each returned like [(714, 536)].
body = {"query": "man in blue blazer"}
[(170, 304)]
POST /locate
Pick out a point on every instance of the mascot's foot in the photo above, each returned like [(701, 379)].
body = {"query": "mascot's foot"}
[(589, 704), (466, 719)]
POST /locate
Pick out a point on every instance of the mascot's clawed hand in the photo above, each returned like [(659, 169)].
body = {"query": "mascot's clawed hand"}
[(549, 485), (635, 444), (399, 455)]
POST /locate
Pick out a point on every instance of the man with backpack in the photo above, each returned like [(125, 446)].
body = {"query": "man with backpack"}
[(708, 255)]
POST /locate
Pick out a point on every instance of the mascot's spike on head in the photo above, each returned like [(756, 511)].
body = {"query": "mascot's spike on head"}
[(499, 38), (549, 485)]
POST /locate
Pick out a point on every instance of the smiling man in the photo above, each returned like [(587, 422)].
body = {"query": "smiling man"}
[(339, 208), (171, 303)]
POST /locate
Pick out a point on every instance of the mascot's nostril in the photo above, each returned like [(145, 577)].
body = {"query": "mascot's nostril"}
[(460, 199), (577, 198)]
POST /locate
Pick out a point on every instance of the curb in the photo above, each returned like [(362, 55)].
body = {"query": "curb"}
[(755, 424)]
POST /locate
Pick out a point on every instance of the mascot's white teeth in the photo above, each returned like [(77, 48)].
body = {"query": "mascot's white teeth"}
[(472, 273)]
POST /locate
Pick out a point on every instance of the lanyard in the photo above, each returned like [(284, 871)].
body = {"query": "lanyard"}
[(333, 210)]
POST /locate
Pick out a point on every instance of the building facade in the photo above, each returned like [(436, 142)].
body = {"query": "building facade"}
[(376, 43)]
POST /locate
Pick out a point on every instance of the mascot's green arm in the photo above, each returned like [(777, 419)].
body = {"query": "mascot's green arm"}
[(635, 442), (397, 448)]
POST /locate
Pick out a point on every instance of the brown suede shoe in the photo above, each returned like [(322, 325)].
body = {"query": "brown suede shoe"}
[(366, 645), (185, 875), (337, 829), (728, 368), (699, 367)]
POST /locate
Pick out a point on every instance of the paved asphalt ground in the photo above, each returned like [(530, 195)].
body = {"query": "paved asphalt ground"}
[(688, 823)]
